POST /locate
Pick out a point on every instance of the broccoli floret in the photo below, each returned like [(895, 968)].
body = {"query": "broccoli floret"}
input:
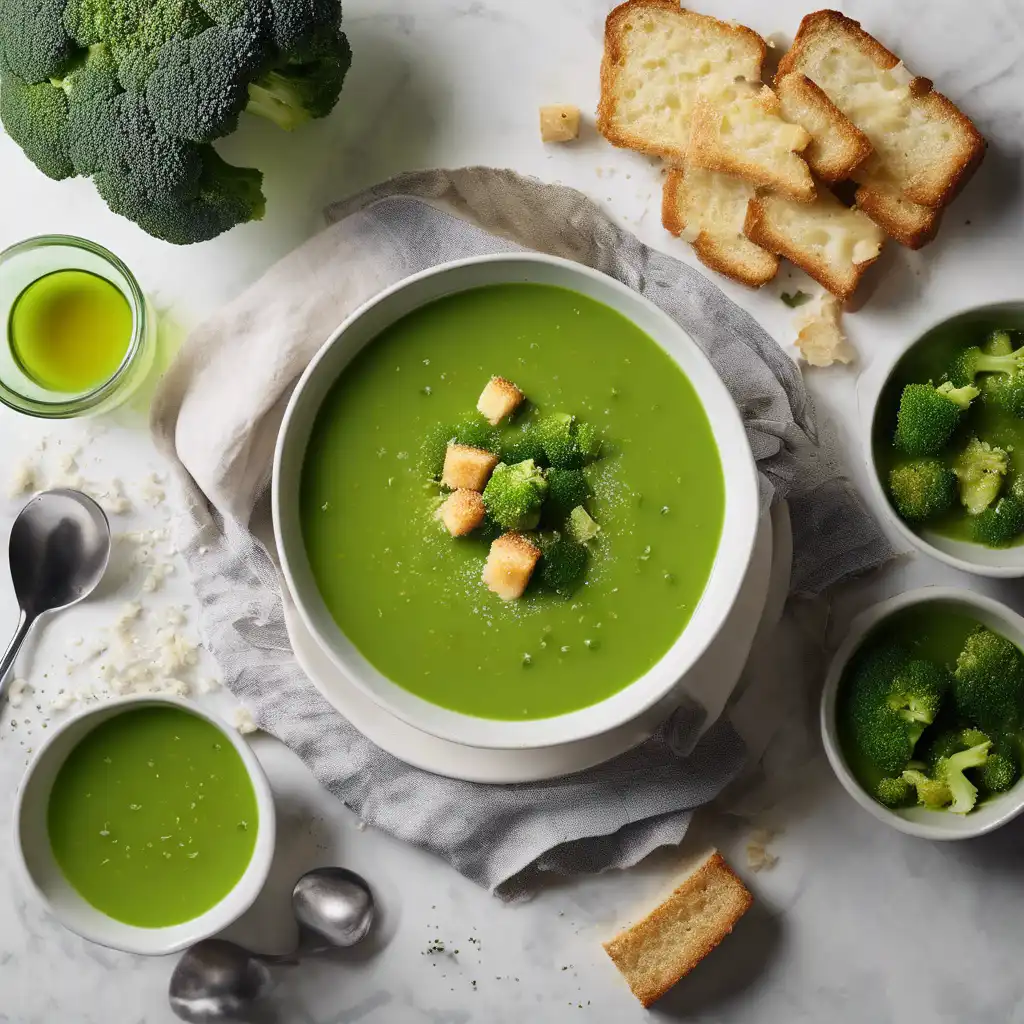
[(989, 681), (950, 770), (521, 444), (917, 691), (567, 488), (581, 526), (562, 564), (922, 489), (999, 525), (928, 416), (514, 495), (979, 470), (588, 441), (36, 118), (999, 773), (893, 792), (931, 793), (972, 361), (34, 44), (567, 443)]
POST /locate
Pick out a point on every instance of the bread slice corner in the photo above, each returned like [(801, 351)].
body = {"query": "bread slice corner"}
[(708, 209), (908, 223), (672, 939)]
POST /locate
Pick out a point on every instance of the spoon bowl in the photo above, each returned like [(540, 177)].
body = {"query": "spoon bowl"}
[(217, 980), (333, 904)]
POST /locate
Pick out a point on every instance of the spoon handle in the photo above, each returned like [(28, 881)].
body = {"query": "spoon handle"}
[(11, 654)]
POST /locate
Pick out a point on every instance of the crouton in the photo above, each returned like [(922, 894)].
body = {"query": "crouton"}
[(467, 468), (657, 56), (462, 512), (559, 123), (837, 144), (707, 209), (923, 144), (667, 944), (510, 564), (500, 398), (736, 129), (833, 244), (909, 223), (821, 341)]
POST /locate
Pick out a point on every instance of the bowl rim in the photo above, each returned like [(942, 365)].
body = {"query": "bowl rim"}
[(129, 938), (860, 626), (581, 723), (874, 476)]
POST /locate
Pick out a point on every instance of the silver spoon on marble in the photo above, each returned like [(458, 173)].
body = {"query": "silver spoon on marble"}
[(59, 549), (220, 980)]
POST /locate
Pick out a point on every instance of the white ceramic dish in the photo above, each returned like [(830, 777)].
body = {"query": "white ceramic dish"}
[(754, 617), (963, 555), (731, 561), (43, 876), (918, 821)]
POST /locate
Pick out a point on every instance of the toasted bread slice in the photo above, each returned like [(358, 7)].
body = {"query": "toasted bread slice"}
[(657, 56), (909, 223), (922, 143), (736, 129), (837, 145), (708, 210), (832, 243), (667, 944)]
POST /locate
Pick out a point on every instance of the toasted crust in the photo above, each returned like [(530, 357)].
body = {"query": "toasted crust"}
[(740, 132), (499, 398), (821, 238), (617, 125), (462, 512), (667, 944), (509, 566), (928, 172), (837, 144), (719, 247), (908, 223)]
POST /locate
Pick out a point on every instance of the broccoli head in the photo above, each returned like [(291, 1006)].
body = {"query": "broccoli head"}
[(973, 361), (567, 443), (922, 489), (514, 495), (917, 691), (999, 525), (521, 444), (567, 488), (36, 118), (562, 564), (928, 416), (1000, 771), (979, 470), (988, 684), (893, 792), (34, 44)]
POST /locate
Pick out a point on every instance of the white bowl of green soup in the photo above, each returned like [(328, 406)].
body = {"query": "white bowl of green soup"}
[(617, 486), (145, 824)]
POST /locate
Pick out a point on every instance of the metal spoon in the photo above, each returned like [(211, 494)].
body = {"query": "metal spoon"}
[(59, 548), (220, 980)]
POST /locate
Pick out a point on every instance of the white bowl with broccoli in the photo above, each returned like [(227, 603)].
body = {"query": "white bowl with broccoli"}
[(946, 441), (922, 713)]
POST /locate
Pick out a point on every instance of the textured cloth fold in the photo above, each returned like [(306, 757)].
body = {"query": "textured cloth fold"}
[(217, 416)]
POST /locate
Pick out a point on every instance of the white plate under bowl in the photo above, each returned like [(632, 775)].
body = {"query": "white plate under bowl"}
[(732, 558), (753, 618)]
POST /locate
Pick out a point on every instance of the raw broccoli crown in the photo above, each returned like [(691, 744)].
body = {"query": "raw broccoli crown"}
[(928, 416), (34, 44), (921, 489), (514, 495), (972, 361), (567, 443), (999, 525), (989, 681), (917, 691), (893, 792), (36, 118), (563, 563), (979, 470), (567, 488)]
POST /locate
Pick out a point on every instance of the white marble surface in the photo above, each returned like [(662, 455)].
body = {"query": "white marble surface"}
[(856, 923)]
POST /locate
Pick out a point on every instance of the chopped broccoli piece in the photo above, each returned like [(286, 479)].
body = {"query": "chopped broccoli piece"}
[(917, 691), (998, 343), (999, 772), (922, 489), (972, 361), (521, 444), (999, 525), (562, 564), (588, 441), (950, 770), (928, 416), (932, 793), (893, 792), (989, 681), (979, 469), (567, 488), (581, 527), (514, 495), (567, 443)]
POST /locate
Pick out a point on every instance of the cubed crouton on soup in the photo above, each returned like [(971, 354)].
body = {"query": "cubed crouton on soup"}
[(462, 512), (510, 564), (500, 398), (467, 468)]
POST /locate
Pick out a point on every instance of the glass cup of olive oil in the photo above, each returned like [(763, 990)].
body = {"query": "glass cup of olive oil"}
[(80, 336)]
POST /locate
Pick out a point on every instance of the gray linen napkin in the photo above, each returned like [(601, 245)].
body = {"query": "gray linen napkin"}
[(217, 415)]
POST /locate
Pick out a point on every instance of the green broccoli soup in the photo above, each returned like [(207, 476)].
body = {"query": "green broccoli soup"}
[(153, 817), (534, 566)]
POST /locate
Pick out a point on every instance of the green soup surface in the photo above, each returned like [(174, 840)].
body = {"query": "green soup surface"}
[(153, 817), (410, 597), (70, 330)]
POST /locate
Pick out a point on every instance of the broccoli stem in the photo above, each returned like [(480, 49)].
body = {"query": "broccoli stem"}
[(277, 98)]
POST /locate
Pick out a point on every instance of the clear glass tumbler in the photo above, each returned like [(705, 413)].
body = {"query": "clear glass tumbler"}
[(26, 262)]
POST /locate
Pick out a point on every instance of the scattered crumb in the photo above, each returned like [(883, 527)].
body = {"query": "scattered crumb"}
[(243, 721), (152, 491), (821, 341), (559, 123), (759, 857), (17, 692), (24, 479)]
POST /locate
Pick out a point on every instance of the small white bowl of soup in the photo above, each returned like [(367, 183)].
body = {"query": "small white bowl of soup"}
[(145, 824), (400, 606)]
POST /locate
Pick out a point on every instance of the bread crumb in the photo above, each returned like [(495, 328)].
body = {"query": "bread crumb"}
[(820, 340), (759, 857), (243, 721), (17, 691), (24, 479), (559, 123)]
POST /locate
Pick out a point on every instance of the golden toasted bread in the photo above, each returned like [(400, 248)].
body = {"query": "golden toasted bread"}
[(909, 223)]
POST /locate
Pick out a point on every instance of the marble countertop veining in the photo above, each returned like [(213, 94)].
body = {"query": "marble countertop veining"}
[(855, 923)]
